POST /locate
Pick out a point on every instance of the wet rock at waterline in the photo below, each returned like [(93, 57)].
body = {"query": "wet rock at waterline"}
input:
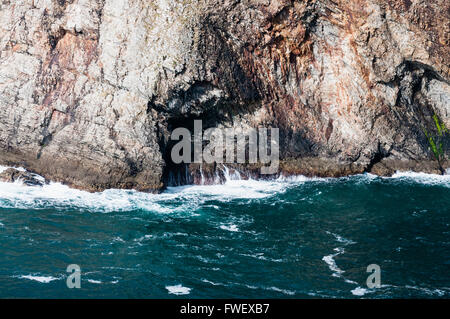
[(11, 175), (90, 91)]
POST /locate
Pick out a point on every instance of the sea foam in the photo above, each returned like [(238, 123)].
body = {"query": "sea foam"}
[(41, 279), (178, 290), (358, 291), (173, 199), (423, 178)]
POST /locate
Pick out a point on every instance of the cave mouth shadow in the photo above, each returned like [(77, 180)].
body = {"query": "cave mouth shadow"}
[(241, 94)]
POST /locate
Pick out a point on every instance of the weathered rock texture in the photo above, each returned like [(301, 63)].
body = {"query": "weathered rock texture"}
[(91, 89), (11, 175)]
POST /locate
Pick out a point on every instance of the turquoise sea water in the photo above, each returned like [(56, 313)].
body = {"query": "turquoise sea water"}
[(295, 238)]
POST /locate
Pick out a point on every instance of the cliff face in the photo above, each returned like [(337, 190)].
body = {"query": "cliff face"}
[(91, 89)]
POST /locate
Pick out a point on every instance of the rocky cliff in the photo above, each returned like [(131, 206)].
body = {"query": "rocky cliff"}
[(91, 89)]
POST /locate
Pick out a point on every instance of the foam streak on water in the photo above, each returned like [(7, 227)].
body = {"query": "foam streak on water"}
[(41, 279)]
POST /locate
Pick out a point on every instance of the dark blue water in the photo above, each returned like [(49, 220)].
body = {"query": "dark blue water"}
[(281, 239)]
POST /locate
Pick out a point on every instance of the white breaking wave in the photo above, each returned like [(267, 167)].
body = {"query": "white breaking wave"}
[(41, 279), (329, 260), (231, 189), (16, 195), (358, 291), (174, 199), (178, 290), (232, 228), (423, 178), (302, 179), (4, 168)]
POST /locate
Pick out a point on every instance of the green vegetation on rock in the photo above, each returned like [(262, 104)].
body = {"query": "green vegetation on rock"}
[(436, 141)]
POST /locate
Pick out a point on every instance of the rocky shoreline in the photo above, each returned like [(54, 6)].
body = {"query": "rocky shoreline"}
[(90, 91), (212, 174), (311, 167), (11, 175)]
